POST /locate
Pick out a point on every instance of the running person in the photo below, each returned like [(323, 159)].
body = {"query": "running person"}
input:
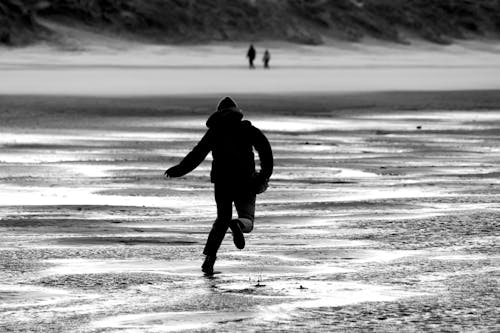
[(231, 141)]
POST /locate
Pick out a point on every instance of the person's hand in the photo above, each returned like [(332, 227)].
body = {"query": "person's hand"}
[(172, 172)]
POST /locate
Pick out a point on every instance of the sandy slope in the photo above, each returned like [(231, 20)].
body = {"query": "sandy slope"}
[(132, 70)]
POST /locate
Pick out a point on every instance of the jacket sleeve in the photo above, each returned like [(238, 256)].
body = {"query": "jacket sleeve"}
[(263, 148), (192, 159)]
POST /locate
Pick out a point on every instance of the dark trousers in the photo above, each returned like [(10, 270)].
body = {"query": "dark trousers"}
[(225, 196)]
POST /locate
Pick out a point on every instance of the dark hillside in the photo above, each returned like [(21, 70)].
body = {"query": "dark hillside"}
[(436, 21), (17, 23), (302, 21)]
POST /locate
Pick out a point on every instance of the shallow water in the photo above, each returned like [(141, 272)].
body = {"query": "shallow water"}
[(369, 224)]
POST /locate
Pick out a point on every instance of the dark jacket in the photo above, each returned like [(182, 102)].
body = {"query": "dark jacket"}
[(231, 141), (251, 53)]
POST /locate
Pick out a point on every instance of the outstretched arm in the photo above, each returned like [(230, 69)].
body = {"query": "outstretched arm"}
[(263, 148), (192, 160)]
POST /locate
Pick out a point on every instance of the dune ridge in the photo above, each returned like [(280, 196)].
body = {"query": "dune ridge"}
[(300, 21)]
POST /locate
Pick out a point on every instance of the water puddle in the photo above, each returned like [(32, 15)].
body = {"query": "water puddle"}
[(88, 196), (292, 173), (317, 294), (83, 266), (171, 321), (16, 296), (312, 295)]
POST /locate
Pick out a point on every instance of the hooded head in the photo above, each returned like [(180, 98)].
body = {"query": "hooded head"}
[(226, 103), (227, 113)]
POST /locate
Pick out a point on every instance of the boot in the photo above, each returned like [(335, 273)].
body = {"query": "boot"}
[(208, 265), (238, 238)]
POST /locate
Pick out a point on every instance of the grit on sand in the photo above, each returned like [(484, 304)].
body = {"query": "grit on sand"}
[(382, 213)]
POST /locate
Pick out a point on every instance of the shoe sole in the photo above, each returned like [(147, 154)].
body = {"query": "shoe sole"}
[(238, 238)]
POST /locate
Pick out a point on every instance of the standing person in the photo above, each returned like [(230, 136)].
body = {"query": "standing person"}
[(251, 54), (266, 58), (231, 141)]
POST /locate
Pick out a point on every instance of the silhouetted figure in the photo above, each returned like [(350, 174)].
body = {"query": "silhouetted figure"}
[(251, 54), (266, 58), (231, 141)]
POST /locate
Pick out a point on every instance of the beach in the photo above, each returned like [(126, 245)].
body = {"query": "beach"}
[(381, 215)]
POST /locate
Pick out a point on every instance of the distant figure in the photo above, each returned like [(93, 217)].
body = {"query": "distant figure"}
[(251, 54), (231, 141), (266, 58)]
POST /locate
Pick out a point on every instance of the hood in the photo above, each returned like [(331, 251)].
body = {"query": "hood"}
[(225, 117)]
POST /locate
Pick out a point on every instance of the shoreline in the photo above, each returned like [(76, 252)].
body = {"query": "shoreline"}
[(255, 103), (144, 82)]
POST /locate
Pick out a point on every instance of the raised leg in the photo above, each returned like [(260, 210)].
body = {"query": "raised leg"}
[(245, 206)]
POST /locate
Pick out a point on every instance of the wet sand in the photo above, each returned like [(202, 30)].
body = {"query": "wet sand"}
[(382, 215)]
